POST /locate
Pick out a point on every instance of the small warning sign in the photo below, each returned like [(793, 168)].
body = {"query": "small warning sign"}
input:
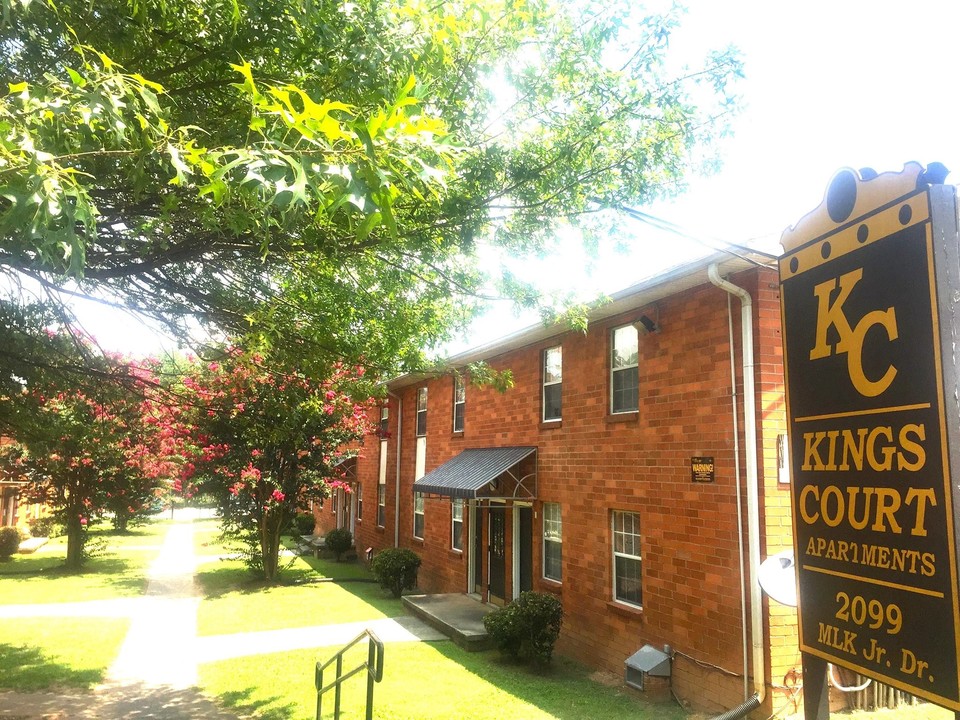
[(702, 469)]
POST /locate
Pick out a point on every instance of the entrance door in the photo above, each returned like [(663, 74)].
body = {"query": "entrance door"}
[(341, 508), (352, 498), (476, 582), (526, 549), (498, 554)]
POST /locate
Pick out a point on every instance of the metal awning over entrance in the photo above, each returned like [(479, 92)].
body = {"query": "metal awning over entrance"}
[(348, 465), (482, 473)]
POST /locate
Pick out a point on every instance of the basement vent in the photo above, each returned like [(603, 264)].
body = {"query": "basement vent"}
[(645, 661)]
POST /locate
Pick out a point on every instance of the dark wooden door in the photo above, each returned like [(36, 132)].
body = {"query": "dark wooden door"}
[(526, 548), (478, 563), (497, 547)]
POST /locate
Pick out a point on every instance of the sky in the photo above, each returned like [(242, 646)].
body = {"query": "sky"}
[(828, 85)]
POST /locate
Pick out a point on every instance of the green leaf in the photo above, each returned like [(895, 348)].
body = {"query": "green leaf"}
[(182, 170)]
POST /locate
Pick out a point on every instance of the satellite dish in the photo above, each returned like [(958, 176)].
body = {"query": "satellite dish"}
[(778, 577)]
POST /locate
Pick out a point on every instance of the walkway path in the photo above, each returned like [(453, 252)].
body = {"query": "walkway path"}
[(155, 672)]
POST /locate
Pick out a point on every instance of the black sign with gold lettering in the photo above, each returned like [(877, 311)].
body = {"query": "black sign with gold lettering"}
[(702, 469), (871, 490)]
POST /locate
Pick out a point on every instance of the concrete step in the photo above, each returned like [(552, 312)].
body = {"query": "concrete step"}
[(457, 616)]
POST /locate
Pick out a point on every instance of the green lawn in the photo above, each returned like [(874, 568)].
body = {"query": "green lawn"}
[(206, 538), (142, 538), (422, 680), (337, 570), (47, 653), (117, 572), (235, 601), (426, 681)]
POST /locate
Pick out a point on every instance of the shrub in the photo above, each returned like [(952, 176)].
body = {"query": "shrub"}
[(396, 569), (9, 542), (527, 628), (303, 523), (43, 527), (338, 541)]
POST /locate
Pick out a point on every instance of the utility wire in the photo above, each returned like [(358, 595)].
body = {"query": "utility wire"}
[(738, 251)]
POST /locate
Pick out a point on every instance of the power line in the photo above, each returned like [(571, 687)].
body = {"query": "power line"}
[(739, 251)]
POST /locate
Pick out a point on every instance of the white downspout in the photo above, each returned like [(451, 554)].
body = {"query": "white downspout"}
[(735, 406), (396, 501), (753, 499)]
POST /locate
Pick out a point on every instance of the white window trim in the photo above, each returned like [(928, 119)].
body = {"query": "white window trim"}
[(458, 384), (545, 541), (453, 524), (359, 501), (545, 385), (382, 483), (421, 392), (381, 506), (615, 555), (418, 500), (384, 417), (613, 350)]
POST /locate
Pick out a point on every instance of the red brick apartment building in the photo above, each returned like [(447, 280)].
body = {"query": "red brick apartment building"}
[(620, 473)]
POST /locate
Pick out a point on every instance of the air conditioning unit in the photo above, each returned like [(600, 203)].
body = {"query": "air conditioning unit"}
[(645, 661)]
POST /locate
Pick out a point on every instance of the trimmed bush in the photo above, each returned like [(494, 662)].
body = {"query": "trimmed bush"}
[(9, 542), (338, 541), (396, 569), (527, 628), (303, 523), (43, 527)]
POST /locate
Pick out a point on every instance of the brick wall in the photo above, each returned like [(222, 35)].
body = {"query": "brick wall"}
[(592, 464)]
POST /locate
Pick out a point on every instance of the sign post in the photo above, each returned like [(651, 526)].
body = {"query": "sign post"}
[(870, 299)]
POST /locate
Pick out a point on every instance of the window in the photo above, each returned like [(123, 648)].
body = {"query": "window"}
[(381, 505), (359, 492), (459, 403), (552, 541), (418, 515), (456, 524), (624, 370), (333, 501), (421, 412), (382, 486), (552, 376), (626, 558), (384, 420)]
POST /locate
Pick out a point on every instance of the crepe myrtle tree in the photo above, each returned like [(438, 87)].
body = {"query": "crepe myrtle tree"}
[(264, 441), (85, 454)]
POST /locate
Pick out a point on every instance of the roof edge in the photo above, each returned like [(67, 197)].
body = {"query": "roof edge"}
[(645, 292)]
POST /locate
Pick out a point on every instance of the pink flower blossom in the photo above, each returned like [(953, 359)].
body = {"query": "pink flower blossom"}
[(278, 496), (250, 473)]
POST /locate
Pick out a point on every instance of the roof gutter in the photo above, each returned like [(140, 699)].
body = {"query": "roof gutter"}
[(750, 450)]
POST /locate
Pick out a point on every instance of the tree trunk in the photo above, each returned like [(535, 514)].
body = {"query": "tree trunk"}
[(270, 544), (120, 522), (75, 537)]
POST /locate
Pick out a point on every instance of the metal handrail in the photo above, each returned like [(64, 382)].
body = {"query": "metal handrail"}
[(373, 666)]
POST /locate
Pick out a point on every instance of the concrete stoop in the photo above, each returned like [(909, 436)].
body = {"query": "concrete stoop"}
[(457, 616)]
